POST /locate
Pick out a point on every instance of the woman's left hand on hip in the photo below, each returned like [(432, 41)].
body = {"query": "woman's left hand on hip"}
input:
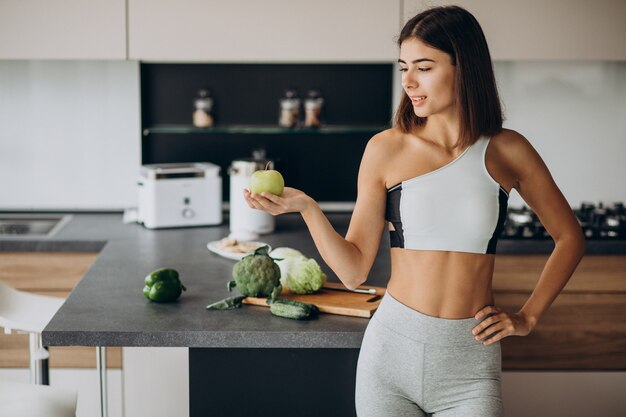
[(501, 323)]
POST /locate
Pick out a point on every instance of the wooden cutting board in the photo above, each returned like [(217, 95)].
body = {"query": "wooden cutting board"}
[(345, 303)]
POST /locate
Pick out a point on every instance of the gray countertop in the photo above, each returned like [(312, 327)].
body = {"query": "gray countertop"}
[(107, 307)]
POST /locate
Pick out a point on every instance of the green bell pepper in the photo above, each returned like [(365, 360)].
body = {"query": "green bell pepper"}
[(163, 285)]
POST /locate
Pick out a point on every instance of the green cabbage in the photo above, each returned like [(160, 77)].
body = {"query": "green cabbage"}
[(284, 253), (300, 274)]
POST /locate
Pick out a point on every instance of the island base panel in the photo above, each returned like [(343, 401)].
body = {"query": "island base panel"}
[(270, 381)]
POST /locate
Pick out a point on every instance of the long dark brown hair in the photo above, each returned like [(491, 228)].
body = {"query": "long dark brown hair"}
[(456, 32)]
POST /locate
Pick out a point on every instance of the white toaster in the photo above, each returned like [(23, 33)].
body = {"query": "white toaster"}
[(180, 195)]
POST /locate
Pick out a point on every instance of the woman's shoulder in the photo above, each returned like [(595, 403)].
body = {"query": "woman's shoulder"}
[(389, 134), (509, 137), (381, 150), (515, 152), (386, 141), (510, 144)]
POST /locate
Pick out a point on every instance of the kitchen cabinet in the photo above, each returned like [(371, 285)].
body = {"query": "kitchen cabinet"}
[(545, 30), (54, 274), (269, 31), (63, 29), (584, 329)]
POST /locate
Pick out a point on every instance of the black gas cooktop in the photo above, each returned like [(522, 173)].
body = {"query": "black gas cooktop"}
[(598, 221)]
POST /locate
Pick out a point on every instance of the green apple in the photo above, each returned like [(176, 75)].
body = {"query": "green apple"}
[(268, 180)]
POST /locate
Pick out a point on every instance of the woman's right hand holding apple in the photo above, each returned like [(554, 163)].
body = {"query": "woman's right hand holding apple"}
[(291, 200)]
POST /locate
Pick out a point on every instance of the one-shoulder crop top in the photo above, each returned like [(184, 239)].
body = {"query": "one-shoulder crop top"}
[(458, 207)]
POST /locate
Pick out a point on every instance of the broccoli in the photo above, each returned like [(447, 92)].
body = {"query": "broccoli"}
[(257, 275)]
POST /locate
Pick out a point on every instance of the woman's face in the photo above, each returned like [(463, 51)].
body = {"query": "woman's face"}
[(427, 78)]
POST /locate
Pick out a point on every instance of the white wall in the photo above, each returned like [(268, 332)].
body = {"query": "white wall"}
[(574, 114), (69, 134)]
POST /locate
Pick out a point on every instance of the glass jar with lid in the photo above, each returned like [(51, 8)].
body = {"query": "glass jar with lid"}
[(202, 114), (289, 109), (313, 109)]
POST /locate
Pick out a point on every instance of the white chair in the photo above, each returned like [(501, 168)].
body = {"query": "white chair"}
[(29, 313), (19, 399)]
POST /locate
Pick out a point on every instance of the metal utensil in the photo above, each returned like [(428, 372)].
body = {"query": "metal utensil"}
[(357, 290)]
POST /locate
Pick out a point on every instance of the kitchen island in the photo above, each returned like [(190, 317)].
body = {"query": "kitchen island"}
[(249, 346), (280, 360)]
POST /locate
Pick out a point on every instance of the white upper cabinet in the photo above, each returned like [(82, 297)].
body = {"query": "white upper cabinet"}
[(545, 30), (62, 29), (263, 31)]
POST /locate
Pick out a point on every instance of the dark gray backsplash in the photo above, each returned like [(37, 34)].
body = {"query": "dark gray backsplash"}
[(325, 166)]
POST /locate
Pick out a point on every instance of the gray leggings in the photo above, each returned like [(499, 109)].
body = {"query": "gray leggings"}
[(412, 364)]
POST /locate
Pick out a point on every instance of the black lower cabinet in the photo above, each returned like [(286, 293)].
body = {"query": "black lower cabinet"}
[(247, 382)]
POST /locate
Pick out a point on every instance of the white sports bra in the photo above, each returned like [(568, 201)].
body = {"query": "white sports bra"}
[(458, 207)]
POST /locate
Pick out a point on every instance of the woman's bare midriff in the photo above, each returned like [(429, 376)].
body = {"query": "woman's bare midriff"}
[(451, 285)]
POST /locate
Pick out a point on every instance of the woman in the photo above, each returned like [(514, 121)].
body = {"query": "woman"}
[(440, 180)]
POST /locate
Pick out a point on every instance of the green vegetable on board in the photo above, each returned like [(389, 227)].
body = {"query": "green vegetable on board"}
[(163, 285), (228, 303), (300, 274), (293, 309), (257, 275)]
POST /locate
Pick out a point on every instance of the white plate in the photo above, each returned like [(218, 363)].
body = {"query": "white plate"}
[(214, 247)]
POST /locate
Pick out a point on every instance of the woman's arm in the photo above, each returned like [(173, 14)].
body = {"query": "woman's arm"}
[(352, 257), (538, 189)]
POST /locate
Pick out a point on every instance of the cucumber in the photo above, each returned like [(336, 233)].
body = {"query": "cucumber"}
[(292, 309)]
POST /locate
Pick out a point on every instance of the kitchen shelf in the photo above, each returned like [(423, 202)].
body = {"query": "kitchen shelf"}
[(263, 130)]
